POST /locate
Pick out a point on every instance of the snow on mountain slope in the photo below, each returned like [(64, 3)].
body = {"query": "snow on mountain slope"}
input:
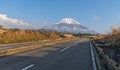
[(69, 25), (67, 21)]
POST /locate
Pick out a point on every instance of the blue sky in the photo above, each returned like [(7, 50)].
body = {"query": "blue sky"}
[(98, 15)]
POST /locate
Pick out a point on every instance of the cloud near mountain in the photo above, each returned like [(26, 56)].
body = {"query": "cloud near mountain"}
[(8, 22)]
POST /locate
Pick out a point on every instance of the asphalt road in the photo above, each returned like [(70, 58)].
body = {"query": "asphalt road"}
[(74, 55), (7, 46)]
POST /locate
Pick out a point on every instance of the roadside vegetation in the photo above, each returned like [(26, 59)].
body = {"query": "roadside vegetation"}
[(110, 45), (111, 39), (19, 36)]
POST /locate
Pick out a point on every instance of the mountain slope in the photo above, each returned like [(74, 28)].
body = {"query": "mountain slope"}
[(69, 25)]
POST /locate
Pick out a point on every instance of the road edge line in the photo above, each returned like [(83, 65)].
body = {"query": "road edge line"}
[(93, 57)]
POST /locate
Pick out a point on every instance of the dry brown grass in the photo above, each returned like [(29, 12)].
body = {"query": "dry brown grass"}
[(112, 39), (18, 36)]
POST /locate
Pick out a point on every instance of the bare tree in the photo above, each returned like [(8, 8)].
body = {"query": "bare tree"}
[(114, 31)]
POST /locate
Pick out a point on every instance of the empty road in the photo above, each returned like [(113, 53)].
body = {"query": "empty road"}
[(7, 46), (74, 55)]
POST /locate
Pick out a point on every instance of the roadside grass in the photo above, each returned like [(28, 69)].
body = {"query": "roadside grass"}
[(20, 36)]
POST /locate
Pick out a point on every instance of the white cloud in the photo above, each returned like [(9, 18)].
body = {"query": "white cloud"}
[(11, 22), (98, 18)]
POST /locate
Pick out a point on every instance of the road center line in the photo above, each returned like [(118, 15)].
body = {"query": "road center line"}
[(65, 48), (29, 66), (93, 57)]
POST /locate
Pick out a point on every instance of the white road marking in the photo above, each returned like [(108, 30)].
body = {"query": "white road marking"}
[(93, 57), (28, 67), (65, 48)]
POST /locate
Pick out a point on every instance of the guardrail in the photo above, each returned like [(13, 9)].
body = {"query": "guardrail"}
[(110, 64), (11, 51)]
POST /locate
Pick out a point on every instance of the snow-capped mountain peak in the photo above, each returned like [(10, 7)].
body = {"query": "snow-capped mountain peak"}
[(69, 25), (67, 21)]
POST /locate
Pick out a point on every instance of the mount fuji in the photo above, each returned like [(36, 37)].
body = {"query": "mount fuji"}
[(69, 25)]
